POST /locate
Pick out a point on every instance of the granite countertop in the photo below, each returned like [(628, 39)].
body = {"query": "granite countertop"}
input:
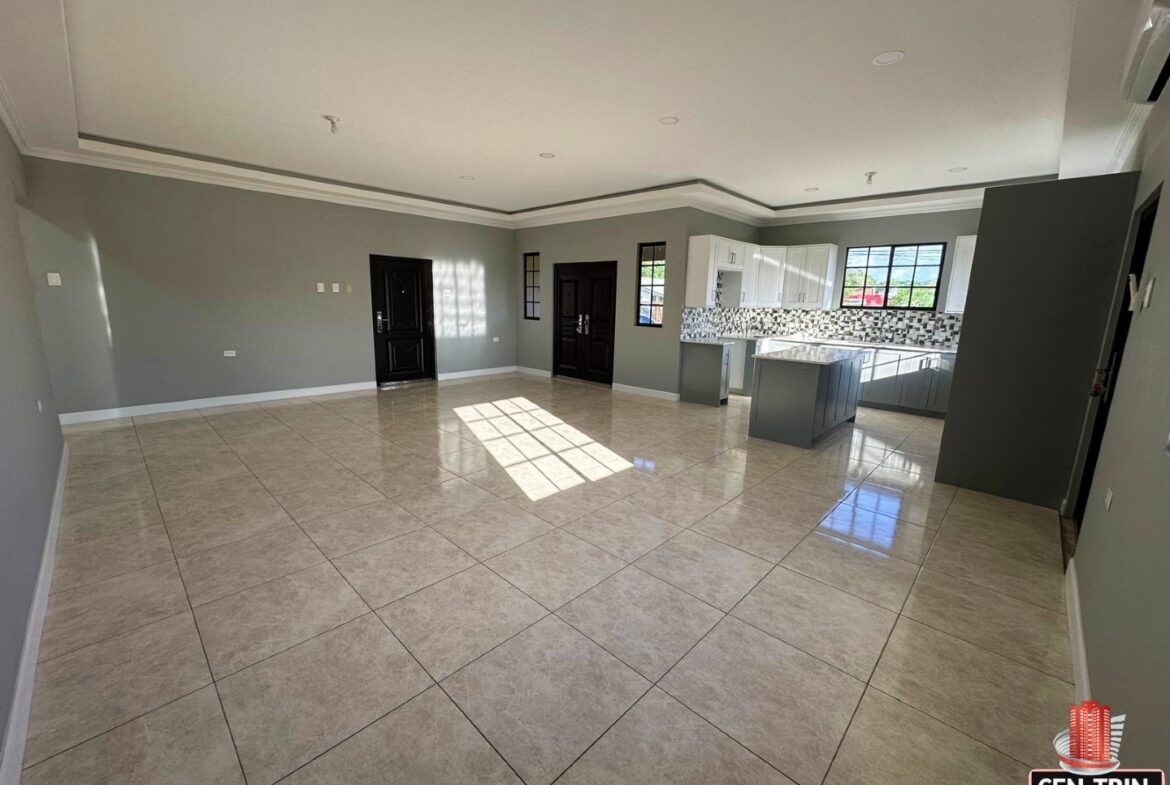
[(843, 342), (812, 355), (707, 341)]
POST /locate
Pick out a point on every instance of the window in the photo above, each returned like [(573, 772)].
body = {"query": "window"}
[(532, 286), (893, 276), (651, 283)]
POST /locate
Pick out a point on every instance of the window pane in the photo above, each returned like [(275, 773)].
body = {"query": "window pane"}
[(851, 297), (875, 298), (899, 297), (905, 254), (926, 276), (660, 253), (901, 276), (922, 298), (930, 254), (647, 253), (855, 277), (656, 297), (531, 286), (857, 257), (876, 276), (879, 256)]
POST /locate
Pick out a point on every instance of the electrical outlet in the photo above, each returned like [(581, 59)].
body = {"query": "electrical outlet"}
[(229, 352), (321, 287), (54, 279), (1108, 499), (348, 288), (495, 339), (337, 288)]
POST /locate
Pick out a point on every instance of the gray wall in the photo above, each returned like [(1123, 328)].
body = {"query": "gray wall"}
[(645, 357), (30, 443), (1121, 558), (918, 228), (161, 275), (1038, 305)]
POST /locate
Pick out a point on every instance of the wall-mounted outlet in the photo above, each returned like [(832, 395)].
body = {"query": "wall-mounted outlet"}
[(54, 279), (495, 339), (337, 288), (321, 287), (348, 288), (229, 352), (1108, 499)]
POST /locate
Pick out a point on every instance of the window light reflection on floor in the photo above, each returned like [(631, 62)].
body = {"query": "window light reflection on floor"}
[(542, 454)]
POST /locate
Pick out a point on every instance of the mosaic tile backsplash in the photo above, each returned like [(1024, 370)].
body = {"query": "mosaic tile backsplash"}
[(919, 328)]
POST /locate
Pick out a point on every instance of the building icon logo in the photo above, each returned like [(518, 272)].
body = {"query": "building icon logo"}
[(1091, 743)]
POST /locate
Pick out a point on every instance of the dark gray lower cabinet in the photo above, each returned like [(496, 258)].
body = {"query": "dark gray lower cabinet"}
[(705, 372), (911, 380), (796, 402), (940, 383)]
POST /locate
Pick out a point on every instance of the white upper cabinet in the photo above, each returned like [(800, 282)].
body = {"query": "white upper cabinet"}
[(960, 273), (789, 277), (701, 271), (770, 276), (749, 295), (707, 256), (809, 271)]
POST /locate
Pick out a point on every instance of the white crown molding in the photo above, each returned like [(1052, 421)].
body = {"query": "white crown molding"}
[(946, 201), (11, 121)]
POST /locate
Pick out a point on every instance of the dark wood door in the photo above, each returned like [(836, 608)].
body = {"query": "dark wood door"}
[(403, 318), (585, 295)]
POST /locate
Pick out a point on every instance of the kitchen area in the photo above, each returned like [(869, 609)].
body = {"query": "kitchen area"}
[(785, 335)]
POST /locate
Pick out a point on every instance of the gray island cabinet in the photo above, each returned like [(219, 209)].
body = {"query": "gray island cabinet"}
[(705, 371), (802, 392)]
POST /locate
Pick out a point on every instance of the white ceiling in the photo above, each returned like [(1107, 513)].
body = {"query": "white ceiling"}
[(773, 96)]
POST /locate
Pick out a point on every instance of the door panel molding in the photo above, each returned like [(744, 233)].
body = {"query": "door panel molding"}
[(585, 309)]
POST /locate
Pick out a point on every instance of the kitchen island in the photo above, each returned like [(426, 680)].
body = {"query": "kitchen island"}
[(802, 392)]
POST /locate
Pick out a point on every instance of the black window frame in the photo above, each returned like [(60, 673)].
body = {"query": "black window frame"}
[(889, 269), (638, 265), (531, 285)]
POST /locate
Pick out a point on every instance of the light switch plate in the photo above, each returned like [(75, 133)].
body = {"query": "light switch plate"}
[(337, 288), (320, 286), (348, 288), (495, 339), (229, 352), (54, 279)]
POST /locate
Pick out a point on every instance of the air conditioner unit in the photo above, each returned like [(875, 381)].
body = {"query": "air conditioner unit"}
[(1148, 67)]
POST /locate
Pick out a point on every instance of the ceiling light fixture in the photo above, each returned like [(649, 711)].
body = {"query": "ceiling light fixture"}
[(890, 57), (869, 177), (668, 120), (813, 188), (957, 169), (334, 121), (548, 155)]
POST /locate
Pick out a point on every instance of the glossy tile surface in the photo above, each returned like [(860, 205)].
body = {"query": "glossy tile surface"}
[(548, 550)]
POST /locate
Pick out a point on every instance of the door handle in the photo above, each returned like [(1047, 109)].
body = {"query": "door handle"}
[(381, 323), (586, 324), (580, 323)]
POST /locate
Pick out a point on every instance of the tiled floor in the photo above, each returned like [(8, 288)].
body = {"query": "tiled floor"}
[(571, 585)]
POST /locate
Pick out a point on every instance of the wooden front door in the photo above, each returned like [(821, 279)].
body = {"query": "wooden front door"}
[(402, 313), (584, 320)]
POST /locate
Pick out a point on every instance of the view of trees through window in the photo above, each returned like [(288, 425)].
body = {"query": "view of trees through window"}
[(651, 283), (893, 276)]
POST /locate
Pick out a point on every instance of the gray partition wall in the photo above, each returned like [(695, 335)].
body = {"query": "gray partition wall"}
[(1042, 283)]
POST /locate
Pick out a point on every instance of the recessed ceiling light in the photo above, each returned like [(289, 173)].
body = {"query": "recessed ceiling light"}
[(548, 155), (890, 57), (813, 188), (466, 177), (668, 120), (957, 169)]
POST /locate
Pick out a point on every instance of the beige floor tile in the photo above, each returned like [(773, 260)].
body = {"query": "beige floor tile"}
[(755, 466), (789, 504), (924, 507), (623, 530), (198, 532), (821, 480), (336, 495), (1008, 706), (445, 500), (218, 572), (452, 622), (567, 506), (715, 573), (674, 503), (982, 505), (654, 461), (711, 480), (349, 530), (890, 743), (555, 568), (279, 457), (492, 528), (82, 563), (392, 569), (408, 477), (785, 706), (835, 627), (466, 460), (89, 691), (427, 741), (182, 743), (907, 541), (290, 708), (286, 439), (865, 573), (661, 742), (181, 453), (1038, 582), (95, 612), (544, 696), (905, 461), (646, 623), (85, 469), (759, 533), (280, 480), (496, 481), (1015, 629), (184, 475), (210, 497), (107, 520), (244, 628), (128, 487), (1037, 539)]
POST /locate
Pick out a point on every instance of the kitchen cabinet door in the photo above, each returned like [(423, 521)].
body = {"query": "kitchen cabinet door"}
[(940, 386), (770, 277), (750, 282), (795, 268), (820, 270), (881, 385), (914, 379), (701, 271)]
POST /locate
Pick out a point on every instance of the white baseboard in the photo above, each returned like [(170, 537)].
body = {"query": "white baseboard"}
[(12, 755), (646, 391), (534, 371), (1076, 632), (447, 376), (72, 418)]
